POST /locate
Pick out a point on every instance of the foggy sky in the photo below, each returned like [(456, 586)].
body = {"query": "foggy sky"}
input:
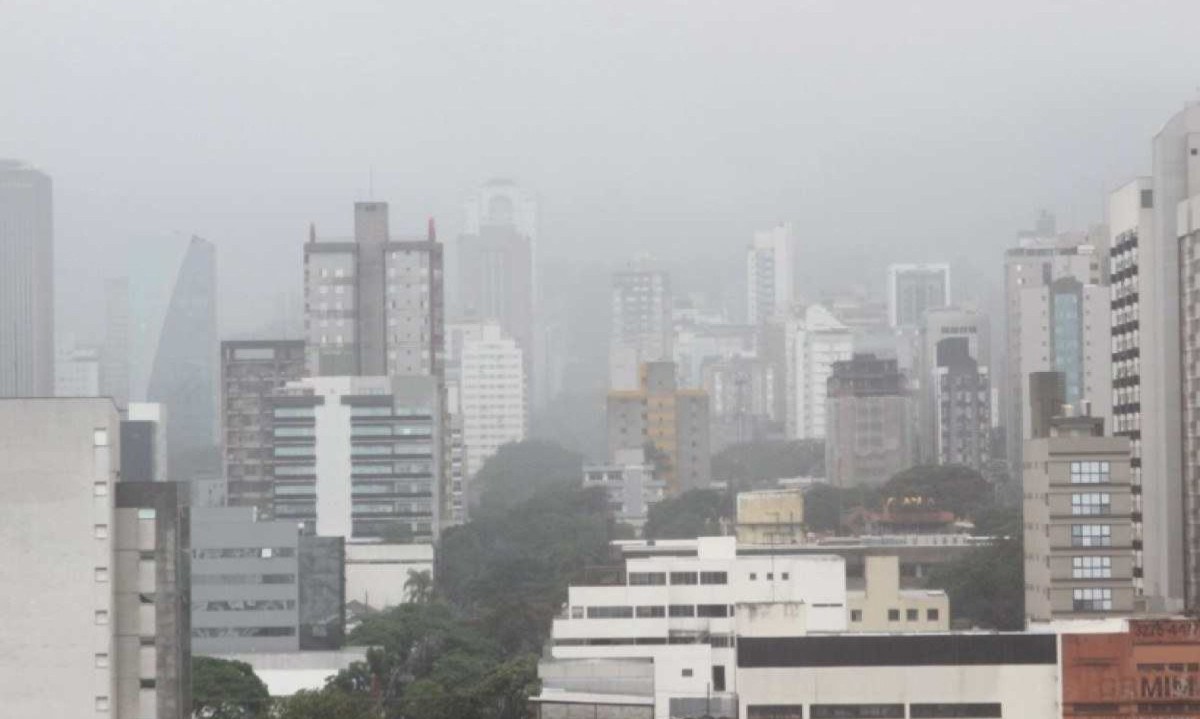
[(917, 130)]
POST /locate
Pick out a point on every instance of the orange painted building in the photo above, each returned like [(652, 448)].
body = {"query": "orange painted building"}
[(1151, 672)]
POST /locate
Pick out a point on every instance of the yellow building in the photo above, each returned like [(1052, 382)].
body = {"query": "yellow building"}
[(884, 607)]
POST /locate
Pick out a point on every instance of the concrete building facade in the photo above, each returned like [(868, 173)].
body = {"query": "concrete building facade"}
[(870, 433), (630, 484), (252, 371), (1082, 549), (672, 421), (962, 406), (105, 635), (940, 324), (813, 343), (642, 329), (913, 289), (770, 274), (492, 393), (26, 281)]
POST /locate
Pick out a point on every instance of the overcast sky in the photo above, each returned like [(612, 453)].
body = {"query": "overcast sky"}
[(885, 130)]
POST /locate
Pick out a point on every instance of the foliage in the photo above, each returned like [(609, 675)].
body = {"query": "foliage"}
[(757, 463), (696, 513), (823, 508), (510, 570), (953, 487), (326, 703), (986, 586), (999, 522), (223, 689), (418, 588), (520, 469)]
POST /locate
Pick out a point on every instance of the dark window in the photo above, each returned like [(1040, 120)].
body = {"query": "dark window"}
[(911, 615), (716, 578), (687, 672), (784, 576), (753, 576), (893, 615), (856, 615), (931, 615), (683, 578), (642, 579), (954, 711), (610, 612), (148, 683), (681, 610), (910, 650), (651, 612), (712, 610), (775, 711), (718, 678), (857, 711)]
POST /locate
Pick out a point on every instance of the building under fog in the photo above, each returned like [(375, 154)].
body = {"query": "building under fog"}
[(26, 281)]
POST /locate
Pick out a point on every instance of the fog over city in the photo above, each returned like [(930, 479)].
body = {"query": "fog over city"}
[(884, 131), (605, 359)]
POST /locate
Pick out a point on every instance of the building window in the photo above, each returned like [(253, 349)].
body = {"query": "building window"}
[(1090, 473), (101, 574), (681, 610), (651, 612), (1091, 503), (893, 615), (100, 489), (101, 661), (100, 438), (577, 612), (716, 578), (856, 615), (932, 615), (101, 617), (753, 576), (147, 683), (146, 513), (775, 711), (956, 711), (712, 610), (718, 678), (1091, 535), (1091, 567), (857, 711), (102, 704), (784, 576), (1092, 599), (643, 579), (686, 672), (610, 612), (912, 615), (100, 531)]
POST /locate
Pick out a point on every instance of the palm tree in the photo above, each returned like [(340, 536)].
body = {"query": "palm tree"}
[(418, 588)]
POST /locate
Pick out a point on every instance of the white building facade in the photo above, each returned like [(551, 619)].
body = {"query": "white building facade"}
[(770, 274), (814, 342), (492, 396)]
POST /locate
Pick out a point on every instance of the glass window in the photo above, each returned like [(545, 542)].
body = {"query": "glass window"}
[(681, 610), (856, 615), (651, 612), (893, 615), (1092, 599), (1091, 503), (1091, 567), (911, 615), (643, 579), (712, 610), (1091, 535), (716, 578), (932, 615), (1089, 472), (610, 612), (684, 578)]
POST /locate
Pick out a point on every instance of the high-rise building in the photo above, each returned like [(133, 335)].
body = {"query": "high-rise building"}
[(374, 305), (503, 203), (360, 457), (1169, 278), (942, 324), (492, 393), (144, 443), (184, 378), (1035, 262), (814, 342), (770, 274), (251, 372), (641, 324), (628, 482), (108, 633), (76, 371), (26, 282), (669, 423), (913, 289), (115, 351), (962, 406), (1079, 508), (869, 434)]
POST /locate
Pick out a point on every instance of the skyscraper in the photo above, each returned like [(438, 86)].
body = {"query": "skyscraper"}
[(814, 342), (184, 377), (492, 395), (26, 282), (962, 406), (913, 289), (641, 324), (1170, 373), (939, 325), (770, 274), (374, 305), (114, 353), (869, 429)]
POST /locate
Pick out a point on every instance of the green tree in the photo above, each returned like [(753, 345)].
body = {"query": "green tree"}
[(327, 703), (223, 689), (986, 586), (953, 487), (696, 513), (418, 588), (757, 463), (823, 508), (520, 469)]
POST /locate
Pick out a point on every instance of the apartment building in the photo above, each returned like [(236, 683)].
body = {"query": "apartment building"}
[(770, 274), (914, 289), (813, 342), (630, 484), (642, 329), (870, 434)]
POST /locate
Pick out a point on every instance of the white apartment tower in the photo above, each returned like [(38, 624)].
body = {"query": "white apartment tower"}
[(641, 324), (26, 282), (814, 342), (492, 393), (913, 289), (770, 274)]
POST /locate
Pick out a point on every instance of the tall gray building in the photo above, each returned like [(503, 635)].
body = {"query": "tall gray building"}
[(1170, 277), (115, 352), (962, 406), (641, 324), (104, 631), (942, 324), (373, 304), (26, 282), (251, 372), (913, 289), (868, 422), (184, 377)]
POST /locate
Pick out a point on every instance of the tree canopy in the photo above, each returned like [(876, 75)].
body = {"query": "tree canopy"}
[(952, 487), (986, 586), (223, 689), (696, 513), (760, 462), (520, 469)]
